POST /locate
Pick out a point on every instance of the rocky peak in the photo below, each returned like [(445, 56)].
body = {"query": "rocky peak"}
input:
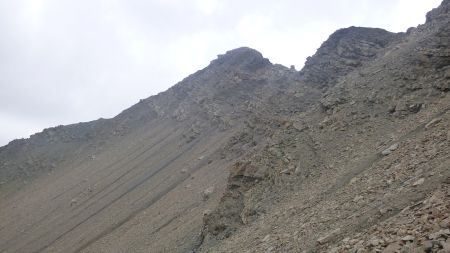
[(345, 50), (439, 13), (433, 40), (242, 58)]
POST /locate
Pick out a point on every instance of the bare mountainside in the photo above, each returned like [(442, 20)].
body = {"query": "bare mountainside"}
[(350, 154)]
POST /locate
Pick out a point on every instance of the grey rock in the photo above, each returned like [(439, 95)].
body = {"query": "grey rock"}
[(206, 194), (419, 182), (390, 149), (408, 238), (432, 123)]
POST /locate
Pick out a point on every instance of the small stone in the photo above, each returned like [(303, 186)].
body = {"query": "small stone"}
[(408, 238), (269, 250), (334, 250), (419, 182), (275, 152), (285, 171), (266, 238), (432, 123), (445, 247), (383, 211), (390, 149), (440, 233), (353, 180), (374, 242), (358, 198), (392, 248), (328, 237), (322, 240), (445, 223), (207, 193), (358, 249), (427, 246), (73, 202)]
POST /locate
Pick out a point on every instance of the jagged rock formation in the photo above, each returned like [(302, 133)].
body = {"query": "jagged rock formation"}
[(350, 154), (344, 51)]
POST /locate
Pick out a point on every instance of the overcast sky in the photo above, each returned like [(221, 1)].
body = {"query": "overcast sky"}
[(66, 61)]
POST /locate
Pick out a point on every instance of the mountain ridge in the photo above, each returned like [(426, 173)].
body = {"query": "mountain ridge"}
[(241, 154)]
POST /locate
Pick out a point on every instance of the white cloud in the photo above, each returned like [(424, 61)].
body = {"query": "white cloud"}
[(253, 26), (208, 7), (34, 14)]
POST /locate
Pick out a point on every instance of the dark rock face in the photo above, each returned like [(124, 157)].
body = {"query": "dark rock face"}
[(344, 51), (244, 59), (439, 14), (349, 154)]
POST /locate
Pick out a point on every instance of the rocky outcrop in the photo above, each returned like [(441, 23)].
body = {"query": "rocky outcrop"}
[(439, 14), (242, 59), (434, 50), (344, 51)]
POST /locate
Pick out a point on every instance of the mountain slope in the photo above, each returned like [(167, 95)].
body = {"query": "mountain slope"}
[(330, 180), (81, 183), (247, 156)]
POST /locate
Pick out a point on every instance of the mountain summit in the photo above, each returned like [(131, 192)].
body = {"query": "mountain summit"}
[(243, 58)]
